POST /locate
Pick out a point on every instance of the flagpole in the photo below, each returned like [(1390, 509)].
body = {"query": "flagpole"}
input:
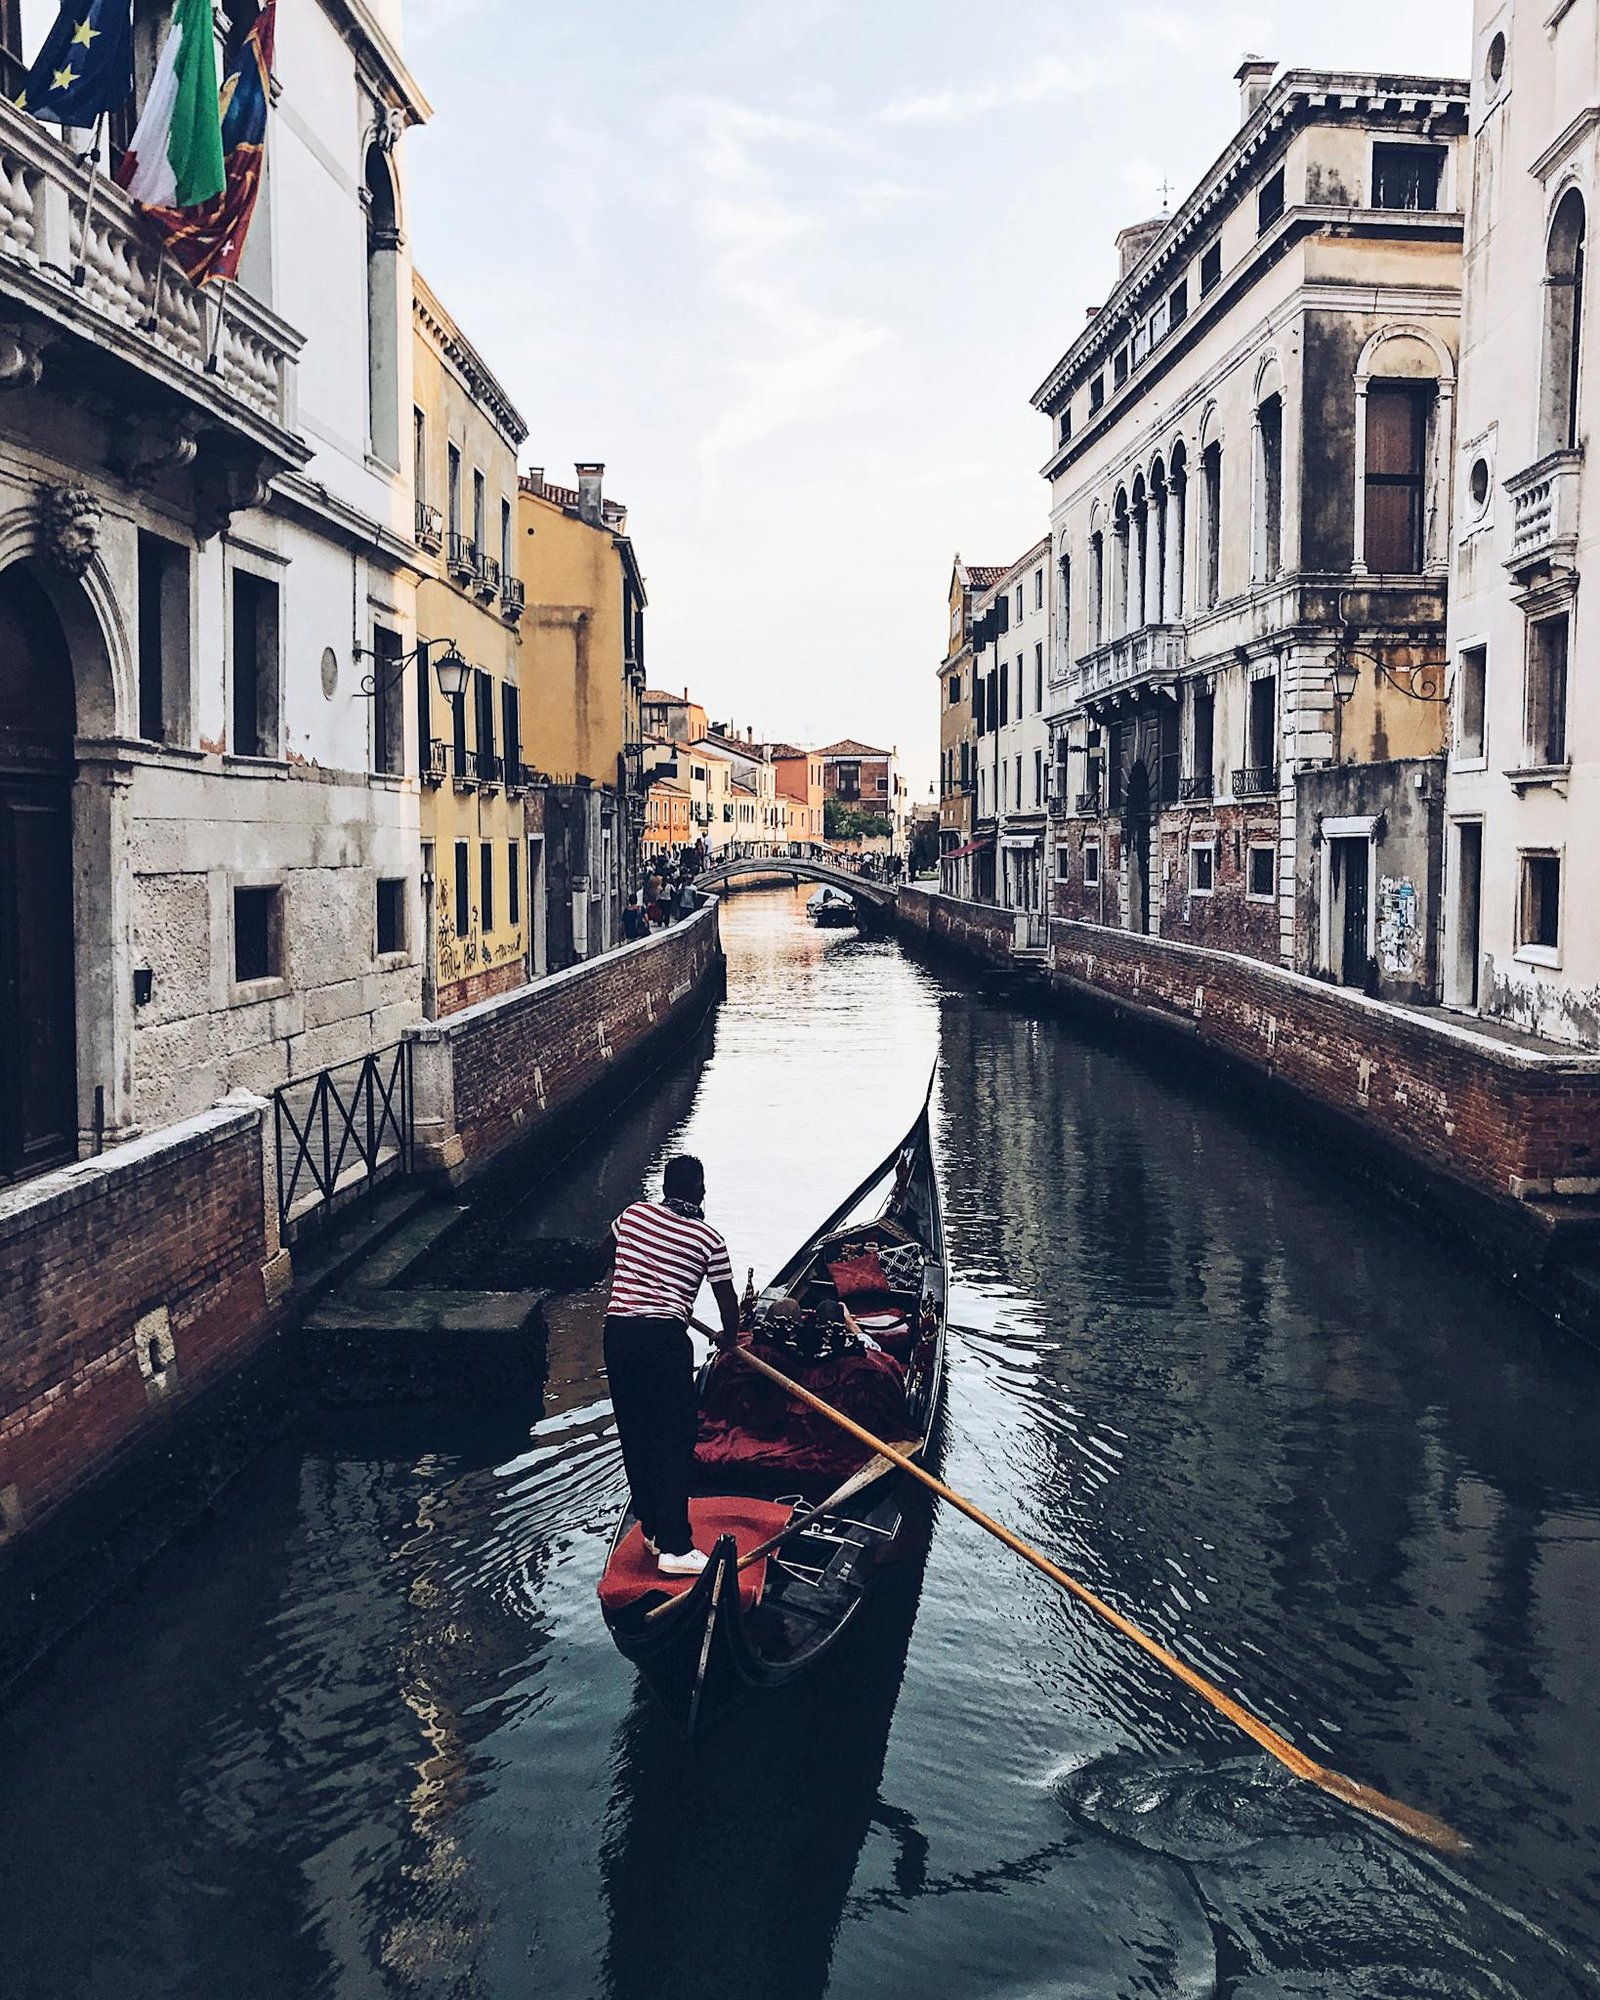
[(213, 359), (80, 269)]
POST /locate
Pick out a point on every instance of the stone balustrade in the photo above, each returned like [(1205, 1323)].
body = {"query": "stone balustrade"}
[(110, 285), (1153, 652), (1544, 511)]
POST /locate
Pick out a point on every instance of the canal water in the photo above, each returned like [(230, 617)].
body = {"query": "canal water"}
[(365, 1736)]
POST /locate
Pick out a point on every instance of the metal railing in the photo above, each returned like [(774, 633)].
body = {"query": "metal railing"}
[(1255, 781), (1199, 786), (435, 762), (484, 766), (1087, 802), (430, 526), (342, 1129), (513, 596)]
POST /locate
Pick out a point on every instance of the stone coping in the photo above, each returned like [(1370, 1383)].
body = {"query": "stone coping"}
[(454, 1026), (50, 1196)]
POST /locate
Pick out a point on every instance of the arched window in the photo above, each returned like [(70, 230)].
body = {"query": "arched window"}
[(1097, 589), (1119, 578), (1177, 530), (1138, 583), (1064, 609), (1404, 396), (1563, 325), (1156, 596), (383, 309), (1269, 488), (1210, 524)]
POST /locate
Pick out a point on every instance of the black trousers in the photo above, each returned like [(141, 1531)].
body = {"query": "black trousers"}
[(650, 1363)]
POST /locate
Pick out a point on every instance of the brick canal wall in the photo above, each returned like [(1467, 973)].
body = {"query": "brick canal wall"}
[(976, 930), (496, 1075), (132, 1284)]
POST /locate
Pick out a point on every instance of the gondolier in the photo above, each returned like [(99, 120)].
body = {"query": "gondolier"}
[(664, 1252)]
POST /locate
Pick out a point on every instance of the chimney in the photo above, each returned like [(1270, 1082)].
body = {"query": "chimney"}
[(1254, 78), (1134, 241), (533, 479), (589, 497)]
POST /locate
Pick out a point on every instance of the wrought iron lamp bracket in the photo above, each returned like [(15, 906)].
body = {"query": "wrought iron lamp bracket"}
[(1423, 680)]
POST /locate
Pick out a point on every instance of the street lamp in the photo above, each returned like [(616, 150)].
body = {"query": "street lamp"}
[(451, 669), (1423, 680)]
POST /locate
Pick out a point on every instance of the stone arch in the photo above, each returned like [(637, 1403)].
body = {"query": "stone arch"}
[(1269, 378), (1405, 351), (104, 668), (1561, 343)]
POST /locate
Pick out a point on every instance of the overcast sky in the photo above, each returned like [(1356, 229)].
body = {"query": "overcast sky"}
[(794, 270)]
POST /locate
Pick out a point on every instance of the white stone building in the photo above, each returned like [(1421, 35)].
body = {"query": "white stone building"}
[(1523, 792), (208, 830), (1250, 473), (1012, 644)]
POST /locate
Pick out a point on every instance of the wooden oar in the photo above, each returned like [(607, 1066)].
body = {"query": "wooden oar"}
[(1421, 1826)]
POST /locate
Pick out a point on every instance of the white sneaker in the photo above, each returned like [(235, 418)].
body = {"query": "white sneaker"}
[(690, 1563)]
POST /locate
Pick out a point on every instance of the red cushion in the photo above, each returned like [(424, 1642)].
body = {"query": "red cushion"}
[(632, 1572), (860, 1276)]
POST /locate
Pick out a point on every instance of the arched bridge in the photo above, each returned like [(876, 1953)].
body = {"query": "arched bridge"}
[(881, 894)]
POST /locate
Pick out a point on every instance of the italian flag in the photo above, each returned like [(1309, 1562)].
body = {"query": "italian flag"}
[(175, 160)]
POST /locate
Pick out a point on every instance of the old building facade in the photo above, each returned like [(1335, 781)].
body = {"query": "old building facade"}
[(958, 781), (1011, 649), (482, 861), (1524, 777), (1251, 466), (203, 823)]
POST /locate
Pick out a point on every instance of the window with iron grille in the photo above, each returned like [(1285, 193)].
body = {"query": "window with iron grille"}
[(1406, 176)]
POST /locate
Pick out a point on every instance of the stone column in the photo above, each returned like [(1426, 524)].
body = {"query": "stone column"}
[(102, 904)]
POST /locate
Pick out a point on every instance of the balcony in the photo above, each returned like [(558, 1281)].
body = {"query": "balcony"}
[(124, 329), (484, 767), (1153, 653), (1057, 806), (1255, 781), (516, 774), (513, 597), (435, 762), (463, 556), (487, 581), (1087, 802), (1198, 789), (430, 528), (1544, 513)]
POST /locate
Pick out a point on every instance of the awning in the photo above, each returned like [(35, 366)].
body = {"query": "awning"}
[(972, 846), (1021, 839)]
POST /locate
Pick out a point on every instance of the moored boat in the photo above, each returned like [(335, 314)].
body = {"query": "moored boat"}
[(797, 1518), (830, 908)]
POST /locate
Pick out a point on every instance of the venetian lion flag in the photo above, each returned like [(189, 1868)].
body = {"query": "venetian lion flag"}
[(208, 241), (175, 160)]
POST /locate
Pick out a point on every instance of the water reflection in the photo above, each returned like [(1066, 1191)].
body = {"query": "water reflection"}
[(365, 1735)]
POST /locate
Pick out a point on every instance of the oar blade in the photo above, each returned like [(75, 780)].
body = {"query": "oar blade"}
[(1403, 1818)]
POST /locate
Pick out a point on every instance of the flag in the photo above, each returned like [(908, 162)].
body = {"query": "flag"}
[(208, 241), (175, 160), (86, 65)]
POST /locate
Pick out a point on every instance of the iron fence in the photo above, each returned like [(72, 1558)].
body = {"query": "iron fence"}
[(341, 1129)]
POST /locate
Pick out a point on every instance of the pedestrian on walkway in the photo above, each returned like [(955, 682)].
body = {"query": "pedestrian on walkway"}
[(664, 1252)]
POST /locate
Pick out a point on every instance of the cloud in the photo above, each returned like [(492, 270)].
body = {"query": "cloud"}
[(1045, 77)]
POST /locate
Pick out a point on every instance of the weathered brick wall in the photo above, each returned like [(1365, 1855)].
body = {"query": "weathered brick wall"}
[(492, 1074), (979, 929), (1512, 1119), (463, 993), (129, 1283)]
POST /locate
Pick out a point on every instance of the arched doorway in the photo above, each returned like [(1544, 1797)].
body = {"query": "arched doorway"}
[(1136, 843), (38, 1042)]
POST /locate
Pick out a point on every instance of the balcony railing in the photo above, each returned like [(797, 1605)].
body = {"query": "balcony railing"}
[(463, 555), (1154, 652), (436, 762), (484, 767), (1057, 806), (1544, 511), (513, 597), (1198, 787), (516, 773), (488, 578), (430, 527), (110, 299), (1087, 802), (1255, 781)]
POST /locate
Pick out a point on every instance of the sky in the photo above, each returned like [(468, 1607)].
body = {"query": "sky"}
[(793, 272)]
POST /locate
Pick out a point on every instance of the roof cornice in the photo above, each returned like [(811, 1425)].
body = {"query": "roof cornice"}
[(436, 322)]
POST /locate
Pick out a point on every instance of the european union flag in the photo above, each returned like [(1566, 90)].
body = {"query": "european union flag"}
[(86, 65)]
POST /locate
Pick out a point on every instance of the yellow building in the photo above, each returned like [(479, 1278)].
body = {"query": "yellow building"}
[(584, 676), (480, 839)]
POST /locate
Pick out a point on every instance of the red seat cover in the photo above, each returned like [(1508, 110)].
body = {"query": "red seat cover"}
[(632, 1572)]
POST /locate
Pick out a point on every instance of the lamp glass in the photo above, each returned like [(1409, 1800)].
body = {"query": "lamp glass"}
[(1343, 674), (451, 671)]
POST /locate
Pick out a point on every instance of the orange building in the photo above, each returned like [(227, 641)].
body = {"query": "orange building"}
[(668, 824), (798, 780)]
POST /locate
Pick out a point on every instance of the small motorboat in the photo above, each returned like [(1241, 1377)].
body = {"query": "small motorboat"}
[(798, 1518), (830, 908)]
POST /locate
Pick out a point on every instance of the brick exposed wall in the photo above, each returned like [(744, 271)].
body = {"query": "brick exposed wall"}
[(129, 1283), (493, 1073), (979, 929), (1508, 1118), (463, 993)]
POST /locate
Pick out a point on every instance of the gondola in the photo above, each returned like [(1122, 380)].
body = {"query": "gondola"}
[(831, 909), (818, 1517)]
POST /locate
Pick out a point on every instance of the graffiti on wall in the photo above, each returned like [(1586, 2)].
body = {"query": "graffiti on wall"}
[(1398, 939)]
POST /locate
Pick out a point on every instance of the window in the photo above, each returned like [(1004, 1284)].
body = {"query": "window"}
[(511, 729), (1114, 763), (955, 690), (1211, 522), (1261, 746), (1119, 367), (1065, 424), (1038, 777), (1178, 304), (453, 489), (463, 889), (13, 70), (1269, 493), (1406, 176), (163, 639), (1203, 751), (479, 510), (1038, 588), (383, 305), (391, 916), (254, 716), (1539, 906), (1064, 604), (1546, 693), (505, 540), (1210, 267), (1091, 865), (1019, 603), (1097, 393), (513, 883), (1004, 694), (1097, 588), (1063, 863), (1471, 680), (388, 713), (483, 712), (1263, 867), (1269, 201), (1038, 678), (419, 459), (1017, 789), (486, 885), (1563, 325), (1397, 434), (257, 935), (1202, 867)]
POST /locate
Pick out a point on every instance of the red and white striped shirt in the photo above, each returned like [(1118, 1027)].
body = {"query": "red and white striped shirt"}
[(663, 1258)]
